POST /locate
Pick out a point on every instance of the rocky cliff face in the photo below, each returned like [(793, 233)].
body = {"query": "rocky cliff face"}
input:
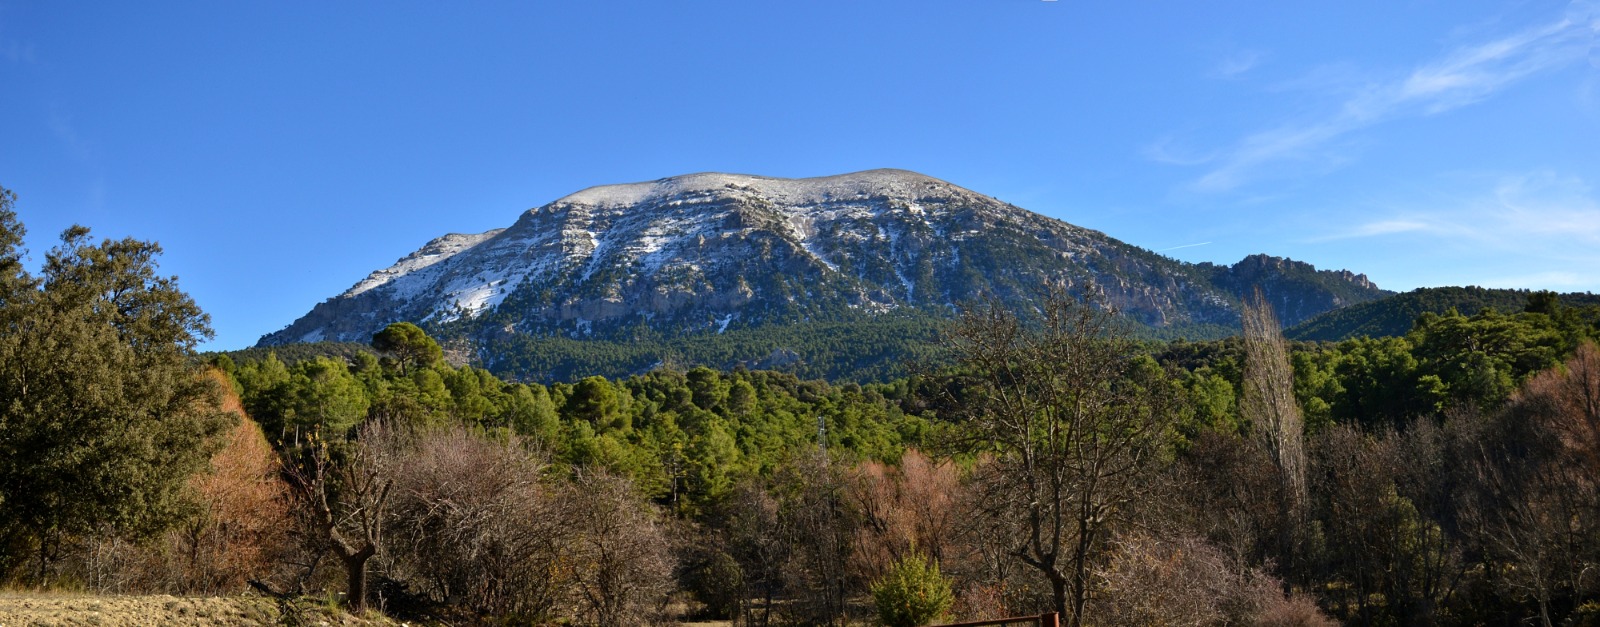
[(1296, 290), (706, 252)]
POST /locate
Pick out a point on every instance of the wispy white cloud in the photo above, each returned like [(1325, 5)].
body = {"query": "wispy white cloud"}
[(1166, 150), (1459, 77), (1386, 227), (1267, 147), (1237, 64), (1540, 214), (14, 50), (1547, 205)]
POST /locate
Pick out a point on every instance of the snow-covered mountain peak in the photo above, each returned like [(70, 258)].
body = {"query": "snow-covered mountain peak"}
[(714, 252), (869, 183)]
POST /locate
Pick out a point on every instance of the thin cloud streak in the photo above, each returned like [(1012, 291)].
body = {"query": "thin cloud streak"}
[(1183, 246), (1461, 77), (1535, 214), (1387, 227), (1163, 151), (1237, 64)]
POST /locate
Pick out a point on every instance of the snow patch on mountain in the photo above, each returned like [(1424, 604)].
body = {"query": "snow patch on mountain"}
[(641, 231), (431, 254), (853, 186)]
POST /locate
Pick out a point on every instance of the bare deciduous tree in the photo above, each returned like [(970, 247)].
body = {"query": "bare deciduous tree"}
[(343, 490), (1075, 436), (749, 518), (1531, 497), (1270, 407), (903, 509), (622, 565), (1384, 559), (473, 524), (816, 523)]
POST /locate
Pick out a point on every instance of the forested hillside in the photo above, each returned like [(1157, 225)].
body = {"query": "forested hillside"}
[(852, 348), (857, 348), (1393, 316)]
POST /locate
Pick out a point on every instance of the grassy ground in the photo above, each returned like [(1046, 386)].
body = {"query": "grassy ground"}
[(56, 609), (73, 609)]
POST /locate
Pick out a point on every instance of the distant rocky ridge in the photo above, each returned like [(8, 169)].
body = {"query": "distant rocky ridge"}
[(1296, 290), (704, 253)]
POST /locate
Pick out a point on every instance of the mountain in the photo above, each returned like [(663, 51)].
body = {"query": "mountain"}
[(705, 254), (1393, 316), (1296, 290)]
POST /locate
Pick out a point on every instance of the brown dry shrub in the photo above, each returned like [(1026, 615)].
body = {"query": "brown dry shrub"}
[(985, 601), (473, 524), (239, 530), (1292, 611), (1567, 401), (619, 554), (903, 509), (1181, 580), (243, 531)]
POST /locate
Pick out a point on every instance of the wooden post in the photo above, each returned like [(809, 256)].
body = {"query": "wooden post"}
[(1050, 620)]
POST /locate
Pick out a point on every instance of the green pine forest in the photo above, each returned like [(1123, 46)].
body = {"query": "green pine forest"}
[(1441, 471)]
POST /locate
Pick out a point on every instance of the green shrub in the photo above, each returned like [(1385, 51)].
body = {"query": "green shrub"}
[(719, 583), (912, 594)]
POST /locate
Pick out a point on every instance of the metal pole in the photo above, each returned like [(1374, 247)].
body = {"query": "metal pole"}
[(822, 438)]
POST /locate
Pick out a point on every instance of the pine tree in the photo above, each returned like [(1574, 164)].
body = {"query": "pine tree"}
[(409, 345)]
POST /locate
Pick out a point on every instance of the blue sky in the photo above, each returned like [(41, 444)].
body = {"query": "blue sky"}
[(281, 151)]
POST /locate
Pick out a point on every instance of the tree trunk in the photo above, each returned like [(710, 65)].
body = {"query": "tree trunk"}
[(1080, 596), (355, 567), (1058, 587)]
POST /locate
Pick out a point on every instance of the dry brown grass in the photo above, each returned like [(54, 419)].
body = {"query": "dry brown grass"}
[(42, 609)]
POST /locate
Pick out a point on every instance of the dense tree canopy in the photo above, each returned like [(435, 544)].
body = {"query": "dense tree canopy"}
[(1412, 468), (409, 344), (103, 416)]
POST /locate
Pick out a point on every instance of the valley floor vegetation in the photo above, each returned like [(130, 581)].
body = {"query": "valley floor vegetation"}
[(1448, 476)]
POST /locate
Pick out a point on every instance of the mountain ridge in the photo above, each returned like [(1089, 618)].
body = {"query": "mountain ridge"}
[(702, 253), (1394, 316)]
